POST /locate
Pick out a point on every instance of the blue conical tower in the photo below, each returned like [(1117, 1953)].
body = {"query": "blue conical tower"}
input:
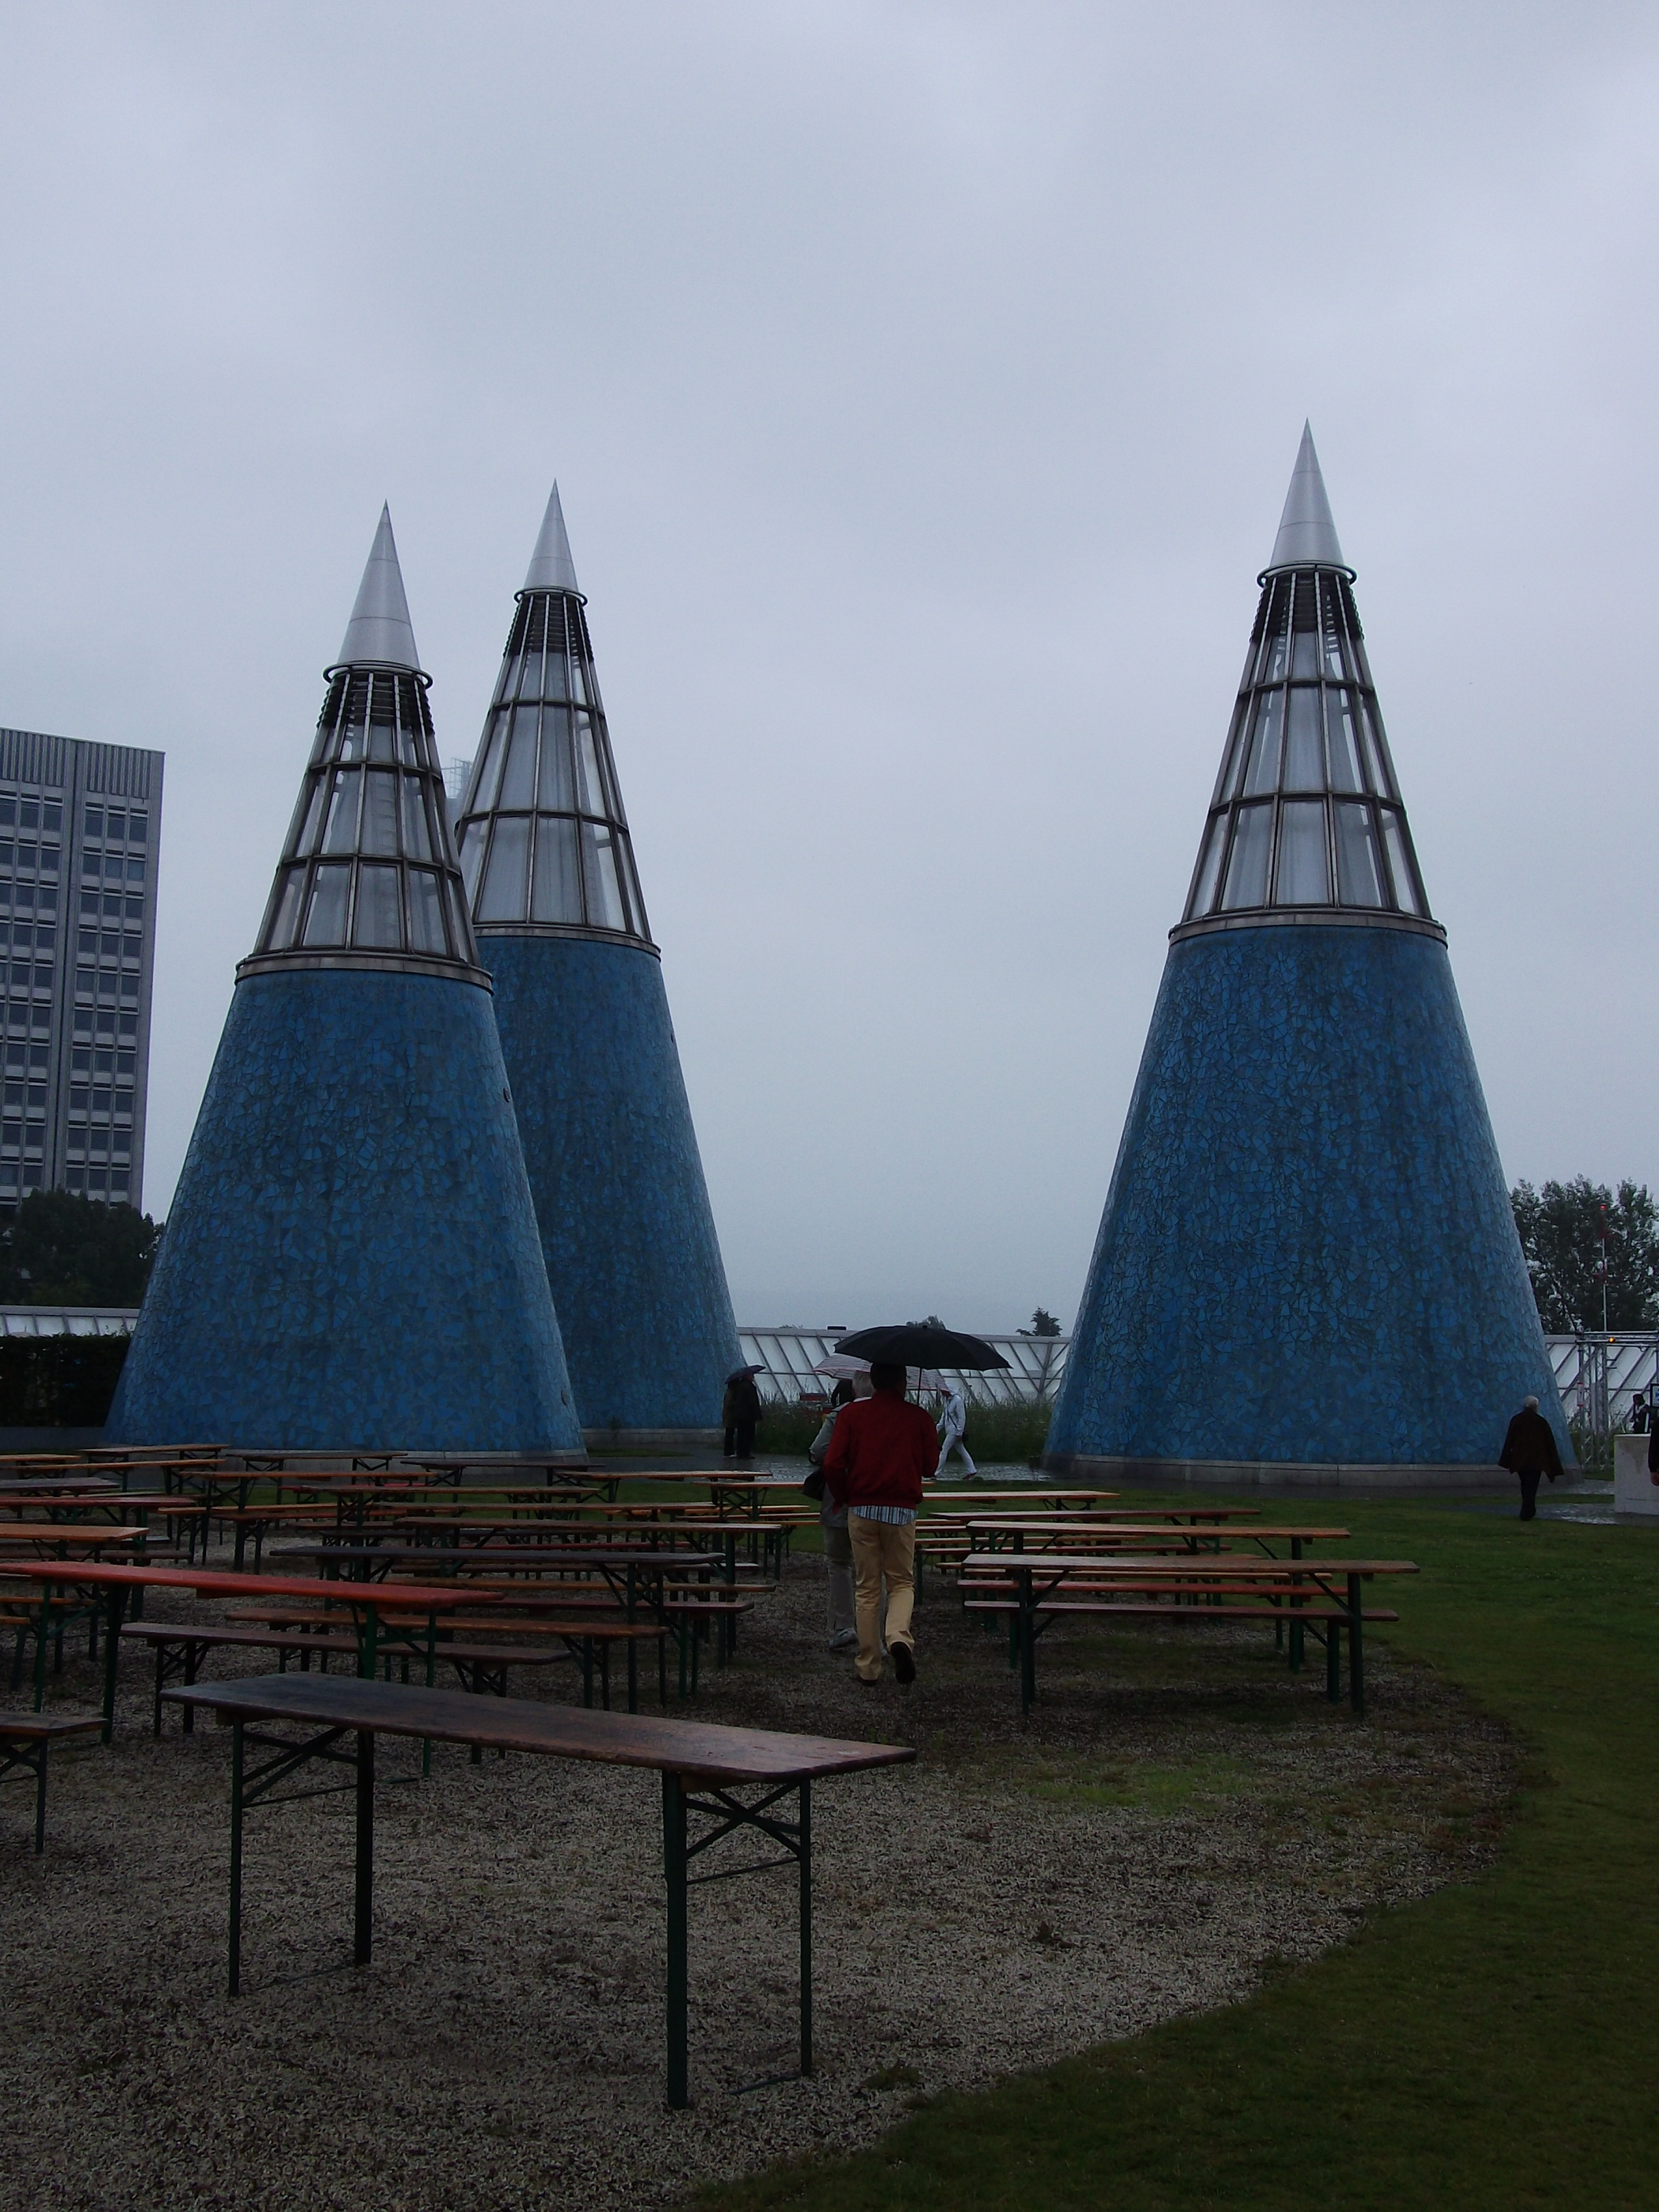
[(1308, 1269), (555, 897), (351, 1256)]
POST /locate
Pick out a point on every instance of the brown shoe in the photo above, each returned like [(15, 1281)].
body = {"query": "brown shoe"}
[(904, 1663)]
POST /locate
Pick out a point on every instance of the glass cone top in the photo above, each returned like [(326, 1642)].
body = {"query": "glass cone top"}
[(543, 841), (1306, 820), (368, 877)]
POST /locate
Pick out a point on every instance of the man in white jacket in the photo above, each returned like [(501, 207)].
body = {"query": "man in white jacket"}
[(953, 1427)]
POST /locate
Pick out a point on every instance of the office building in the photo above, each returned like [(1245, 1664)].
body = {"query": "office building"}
[(80, 837), (1307, 1268)]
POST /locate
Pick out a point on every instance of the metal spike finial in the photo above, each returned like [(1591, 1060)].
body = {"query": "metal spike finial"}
[(1307, 534), (379, 632), (552, 569)]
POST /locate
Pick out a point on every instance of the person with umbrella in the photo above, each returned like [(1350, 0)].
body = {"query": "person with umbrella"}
[(883, 1449), (740, 1411)]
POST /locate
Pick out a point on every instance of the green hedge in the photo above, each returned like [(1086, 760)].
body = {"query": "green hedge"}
[(59, 1381), (997, 1434)]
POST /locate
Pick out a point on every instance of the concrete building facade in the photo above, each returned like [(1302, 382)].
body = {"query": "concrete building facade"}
[(80, 839)]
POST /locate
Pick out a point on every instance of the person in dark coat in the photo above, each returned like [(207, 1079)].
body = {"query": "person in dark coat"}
[(739, 1411), (1641, 1416), (1530, 1451)]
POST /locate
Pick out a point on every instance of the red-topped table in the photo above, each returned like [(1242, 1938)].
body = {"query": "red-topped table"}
[(364, 1601)]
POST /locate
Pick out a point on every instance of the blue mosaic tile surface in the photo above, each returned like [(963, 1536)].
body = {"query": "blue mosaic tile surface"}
[(351, 1257), (1307, 1252), (626, 1225)]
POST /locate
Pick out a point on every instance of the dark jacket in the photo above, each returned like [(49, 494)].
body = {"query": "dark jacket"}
[(1529, 1446), (742, 1401), (881, 1449)]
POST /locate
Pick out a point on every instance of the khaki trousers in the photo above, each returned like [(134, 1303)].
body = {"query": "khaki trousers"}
[(883, 1551)]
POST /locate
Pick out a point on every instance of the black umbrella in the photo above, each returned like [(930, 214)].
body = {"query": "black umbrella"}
[(920, 1344)]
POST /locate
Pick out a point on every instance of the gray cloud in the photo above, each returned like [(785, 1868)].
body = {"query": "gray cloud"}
[(923, 383)]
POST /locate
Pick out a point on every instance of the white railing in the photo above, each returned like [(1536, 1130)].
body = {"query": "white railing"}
[(67, 1321), (787, 1356)]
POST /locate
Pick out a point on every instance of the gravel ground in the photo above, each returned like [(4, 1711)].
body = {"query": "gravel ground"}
[(1180, 1817)]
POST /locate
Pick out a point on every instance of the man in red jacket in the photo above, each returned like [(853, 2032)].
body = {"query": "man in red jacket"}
[(882, 1449)]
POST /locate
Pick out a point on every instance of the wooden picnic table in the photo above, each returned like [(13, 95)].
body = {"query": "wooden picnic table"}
[(730, 1779), (25, 1740), (634, 1574), (365, 1602), (38, 1486), (66, 1536), (1286, 1584), (364, 1558), (1190, 1536)]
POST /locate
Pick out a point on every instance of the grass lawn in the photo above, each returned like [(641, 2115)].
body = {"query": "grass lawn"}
[(1495, 2044)]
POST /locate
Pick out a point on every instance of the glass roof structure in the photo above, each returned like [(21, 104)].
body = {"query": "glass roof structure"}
[(542, 837), (787, 1359), (368, 876), (1306, 821)]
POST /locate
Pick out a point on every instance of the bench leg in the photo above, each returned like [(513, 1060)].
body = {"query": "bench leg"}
[(40, 1799), (112, 1653), (1334, 1662), (236, 1762), (806, 1835), (1356, 1647), (363, 1915), (673, 1852)]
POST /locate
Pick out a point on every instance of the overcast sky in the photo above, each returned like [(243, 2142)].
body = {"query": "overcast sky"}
[(923, 383)]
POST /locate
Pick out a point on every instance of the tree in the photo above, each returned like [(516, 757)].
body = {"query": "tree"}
[(65, 1250), (1570, 1232), (1042, 1324)]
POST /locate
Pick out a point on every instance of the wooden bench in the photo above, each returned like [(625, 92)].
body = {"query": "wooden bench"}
[(25, 1740), (1219, 1587), (706, 1772), (588, 1630), (1327, 1622)]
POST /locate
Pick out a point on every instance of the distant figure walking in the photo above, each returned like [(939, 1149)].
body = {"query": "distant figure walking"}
[(882, 1451), (832, 1519), (1530, 1451), (740, 1411), (1641, 1416), (953, 1428)]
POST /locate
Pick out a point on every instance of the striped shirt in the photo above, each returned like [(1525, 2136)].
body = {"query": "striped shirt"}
[(895, 1515)]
